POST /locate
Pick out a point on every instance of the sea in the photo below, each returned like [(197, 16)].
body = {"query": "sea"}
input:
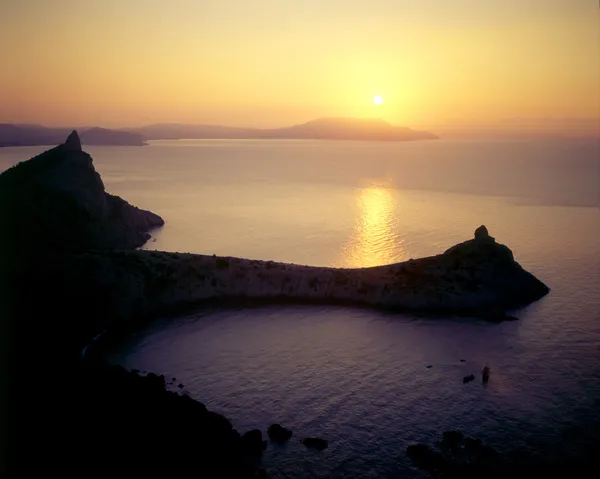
[(358, 377)]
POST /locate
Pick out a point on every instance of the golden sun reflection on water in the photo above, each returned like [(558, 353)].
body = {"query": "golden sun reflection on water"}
[(375, 240)]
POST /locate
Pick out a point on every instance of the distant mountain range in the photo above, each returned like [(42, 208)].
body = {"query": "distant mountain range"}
[(368, 129)]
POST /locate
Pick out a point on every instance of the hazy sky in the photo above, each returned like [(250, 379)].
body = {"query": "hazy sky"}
[(275, 62)]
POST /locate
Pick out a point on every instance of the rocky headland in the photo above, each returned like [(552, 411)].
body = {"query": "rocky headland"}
[(70, 270), (57, 201)]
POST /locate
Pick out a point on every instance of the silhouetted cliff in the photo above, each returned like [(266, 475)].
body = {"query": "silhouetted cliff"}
[(57, 200)]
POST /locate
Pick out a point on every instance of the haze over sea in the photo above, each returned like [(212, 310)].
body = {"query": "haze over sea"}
[(358, 377)]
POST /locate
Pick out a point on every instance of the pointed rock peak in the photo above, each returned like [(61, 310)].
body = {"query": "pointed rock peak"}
[(73, 142), (481, 233)]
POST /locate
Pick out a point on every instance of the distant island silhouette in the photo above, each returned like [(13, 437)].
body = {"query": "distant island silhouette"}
[(365, 129), (362, 129)]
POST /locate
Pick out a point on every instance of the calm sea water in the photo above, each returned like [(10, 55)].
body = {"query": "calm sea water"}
[(359, 377)]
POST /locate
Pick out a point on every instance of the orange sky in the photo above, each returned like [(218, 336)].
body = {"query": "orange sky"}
[(437, 63)]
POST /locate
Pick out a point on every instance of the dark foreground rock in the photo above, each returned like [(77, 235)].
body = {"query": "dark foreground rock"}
[(279, 434), (315, 443), (103, 421)]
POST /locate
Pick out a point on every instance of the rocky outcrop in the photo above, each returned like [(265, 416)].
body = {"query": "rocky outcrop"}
[(481, 233), (57, 201)]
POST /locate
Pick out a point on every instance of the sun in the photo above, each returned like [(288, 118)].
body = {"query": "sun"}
[(378, 99)]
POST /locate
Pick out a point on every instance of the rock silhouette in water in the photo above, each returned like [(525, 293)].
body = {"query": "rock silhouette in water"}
[(485, 374), (315, 443), (278, 433)]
